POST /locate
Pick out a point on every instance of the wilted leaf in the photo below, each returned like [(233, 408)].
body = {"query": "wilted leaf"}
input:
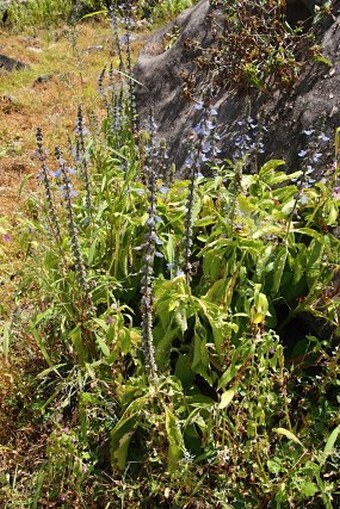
[(288, 434), (226, 398)]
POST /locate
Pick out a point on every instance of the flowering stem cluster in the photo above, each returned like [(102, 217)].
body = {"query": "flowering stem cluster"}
[(102, 89), (52, 215), (248, 142), (128, 24), (163, 162), (202, 151), (67, 195), (81, 157), (147, 290), (114, 25), (310, 159)]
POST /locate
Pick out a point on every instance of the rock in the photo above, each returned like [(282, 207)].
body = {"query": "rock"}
[(313, 100), (93, 49), (10, 64), (33, 49), (44, 78), (9, 104)]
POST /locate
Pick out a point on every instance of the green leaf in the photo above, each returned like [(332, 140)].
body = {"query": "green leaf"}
[(240, 357), (279, 267), (311, 233), (299, 266), (41, 345), (226, 398), (329, 447), (315, 254), (23, 183), (285, 432), (181, 319), (120, 439), (274, 465), (262, 262), (163, 346), (323, 60), (307, 488), (93, 14), (200, 362), (332, 215), (183, 370), (77, 341), (266, 172), (92, 252), (103, 346), (175, 440)]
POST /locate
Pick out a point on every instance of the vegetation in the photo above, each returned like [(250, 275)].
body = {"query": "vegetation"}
[(36, 13), (253, 45), (174, 342)]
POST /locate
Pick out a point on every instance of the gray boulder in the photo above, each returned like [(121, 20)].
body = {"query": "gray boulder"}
[(313, 101), (10, 64)]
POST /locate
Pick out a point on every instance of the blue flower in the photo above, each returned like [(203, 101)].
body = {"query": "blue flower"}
[(316, 156), (323, 137)]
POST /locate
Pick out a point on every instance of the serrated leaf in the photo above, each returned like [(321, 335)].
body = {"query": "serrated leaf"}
[(288, 434), (226, 398)]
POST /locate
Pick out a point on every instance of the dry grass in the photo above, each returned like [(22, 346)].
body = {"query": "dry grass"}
[(69, 61)]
